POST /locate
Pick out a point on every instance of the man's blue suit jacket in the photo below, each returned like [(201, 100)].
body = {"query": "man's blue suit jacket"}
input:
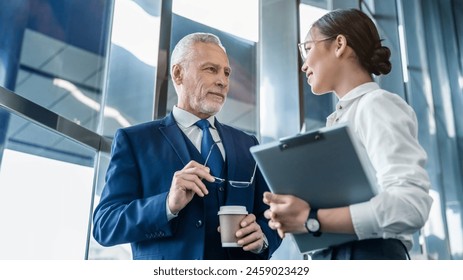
[(132, 208)]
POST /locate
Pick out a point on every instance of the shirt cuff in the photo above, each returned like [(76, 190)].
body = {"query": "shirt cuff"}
[(169, 213), (264, 246), (364, 221)]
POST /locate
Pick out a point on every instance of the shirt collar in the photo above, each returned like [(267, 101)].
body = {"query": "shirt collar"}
[(357, 92), (187, 119)]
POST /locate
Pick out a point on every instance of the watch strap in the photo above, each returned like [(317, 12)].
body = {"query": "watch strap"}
[(313, 213)]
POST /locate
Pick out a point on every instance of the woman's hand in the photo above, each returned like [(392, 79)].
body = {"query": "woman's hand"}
[(287, 213)]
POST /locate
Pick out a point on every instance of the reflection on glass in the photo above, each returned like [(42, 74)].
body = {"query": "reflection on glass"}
[(63, 40), (132, 63)]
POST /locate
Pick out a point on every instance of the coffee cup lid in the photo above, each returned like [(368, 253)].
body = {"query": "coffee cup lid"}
[(232, 209)]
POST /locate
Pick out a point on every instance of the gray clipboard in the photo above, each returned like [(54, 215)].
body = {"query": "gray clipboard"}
[(325, 167)]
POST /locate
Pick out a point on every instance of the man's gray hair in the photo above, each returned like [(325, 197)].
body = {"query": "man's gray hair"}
[(185, 45)]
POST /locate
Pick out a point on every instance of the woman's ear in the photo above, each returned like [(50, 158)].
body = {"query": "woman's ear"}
[(177, 74), (341, 45)]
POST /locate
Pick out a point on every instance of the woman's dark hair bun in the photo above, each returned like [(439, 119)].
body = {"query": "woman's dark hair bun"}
[(362, 36), (380, 63)]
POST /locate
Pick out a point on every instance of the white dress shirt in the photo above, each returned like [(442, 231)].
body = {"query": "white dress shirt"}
[(387, 129)]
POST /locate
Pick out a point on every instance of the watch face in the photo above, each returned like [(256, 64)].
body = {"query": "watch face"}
[(313, 225)]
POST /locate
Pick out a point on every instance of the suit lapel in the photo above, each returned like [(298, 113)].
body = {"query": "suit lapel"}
[(174, 136)]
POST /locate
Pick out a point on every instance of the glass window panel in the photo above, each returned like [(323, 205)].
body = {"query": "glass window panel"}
[(132, 64), (46, 183), (239, 35), (54, 54)]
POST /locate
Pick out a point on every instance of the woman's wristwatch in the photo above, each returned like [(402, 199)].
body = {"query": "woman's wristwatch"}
[(313, 224)]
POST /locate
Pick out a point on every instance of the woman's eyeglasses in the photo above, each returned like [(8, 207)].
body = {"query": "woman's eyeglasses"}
[(236, 184), (303, 46)]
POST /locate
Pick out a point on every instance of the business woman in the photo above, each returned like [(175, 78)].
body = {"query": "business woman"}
[(341, 52)]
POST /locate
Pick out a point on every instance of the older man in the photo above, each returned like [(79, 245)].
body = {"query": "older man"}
[(160, 196)]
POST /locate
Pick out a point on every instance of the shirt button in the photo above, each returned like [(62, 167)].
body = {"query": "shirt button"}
[(199, 223), (340, 107), (336, 120), (221, 189)]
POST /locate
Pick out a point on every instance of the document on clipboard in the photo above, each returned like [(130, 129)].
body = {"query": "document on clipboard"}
[(326, 167)]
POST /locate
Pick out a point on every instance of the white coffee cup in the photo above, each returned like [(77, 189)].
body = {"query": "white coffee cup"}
[(230, 217)]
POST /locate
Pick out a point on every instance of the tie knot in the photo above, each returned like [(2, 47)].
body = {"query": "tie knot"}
[(203, 124)]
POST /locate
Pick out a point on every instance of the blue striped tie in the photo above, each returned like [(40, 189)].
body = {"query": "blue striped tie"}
[(215, 161)]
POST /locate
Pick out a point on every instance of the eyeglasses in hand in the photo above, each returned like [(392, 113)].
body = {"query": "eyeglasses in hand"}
[(236, 184)]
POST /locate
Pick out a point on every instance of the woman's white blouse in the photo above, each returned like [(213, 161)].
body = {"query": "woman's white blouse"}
[(386, 127)]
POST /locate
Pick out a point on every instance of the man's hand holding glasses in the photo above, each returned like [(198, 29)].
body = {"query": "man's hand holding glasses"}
[(186, 183)]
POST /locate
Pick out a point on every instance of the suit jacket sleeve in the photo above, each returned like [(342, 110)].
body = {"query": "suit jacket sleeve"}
[(123, 215)]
